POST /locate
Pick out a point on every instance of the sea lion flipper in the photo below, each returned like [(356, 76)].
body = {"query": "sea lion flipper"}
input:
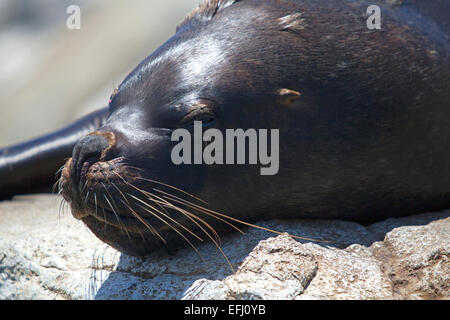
[(32, 166)]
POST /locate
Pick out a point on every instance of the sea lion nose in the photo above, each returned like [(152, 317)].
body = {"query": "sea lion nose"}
[(88, 151)]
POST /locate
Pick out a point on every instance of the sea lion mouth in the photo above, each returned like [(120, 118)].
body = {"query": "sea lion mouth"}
[(102, 191), (132, 213)]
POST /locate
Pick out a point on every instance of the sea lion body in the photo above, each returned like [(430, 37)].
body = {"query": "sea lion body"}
[(362, 116)]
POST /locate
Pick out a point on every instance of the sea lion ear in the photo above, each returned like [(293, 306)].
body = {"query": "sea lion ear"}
[(206, 11), (288, 95)]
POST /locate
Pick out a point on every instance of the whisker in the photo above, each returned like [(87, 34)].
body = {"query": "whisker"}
[(164, 215), (182, 191), (95, 202), (58, 181), (104, 217), (142, 191), (172, 227), (217, 214), (164, 202), (137, 215), (217, 241), (190, 216), (149, 226), (54, 187), (207, 213), (60, 169), (85, 185), (61, 204), (161, 204), (173, 187), (132, 167), (87, 195), (114, 211), (187, 214), (194, 206), (117, 217)]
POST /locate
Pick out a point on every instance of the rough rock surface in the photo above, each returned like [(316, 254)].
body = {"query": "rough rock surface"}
[(45, 254)]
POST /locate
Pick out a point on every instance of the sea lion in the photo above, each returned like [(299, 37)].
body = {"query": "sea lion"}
[(362, 117)]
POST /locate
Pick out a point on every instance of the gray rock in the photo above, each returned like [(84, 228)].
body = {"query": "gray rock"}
[(46, 254)]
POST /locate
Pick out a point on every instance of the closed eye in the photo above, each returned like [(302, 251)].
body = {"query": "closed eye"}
[(207, 121), (201, 110)]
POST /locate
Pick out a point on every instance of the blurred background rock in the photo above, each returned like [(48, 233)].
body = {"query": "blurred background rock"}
[(50, 75)]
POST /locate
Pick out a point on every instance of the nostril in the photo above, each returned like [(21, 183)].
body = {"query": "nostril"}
[(88, 150)]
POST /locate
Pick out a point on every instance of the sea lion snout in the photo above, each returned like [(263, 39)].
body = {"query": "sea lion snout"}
[(89, 150)]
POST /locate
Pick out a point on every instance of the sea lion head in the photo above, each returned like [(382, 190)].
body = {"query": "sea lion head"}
[(121, 181)]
